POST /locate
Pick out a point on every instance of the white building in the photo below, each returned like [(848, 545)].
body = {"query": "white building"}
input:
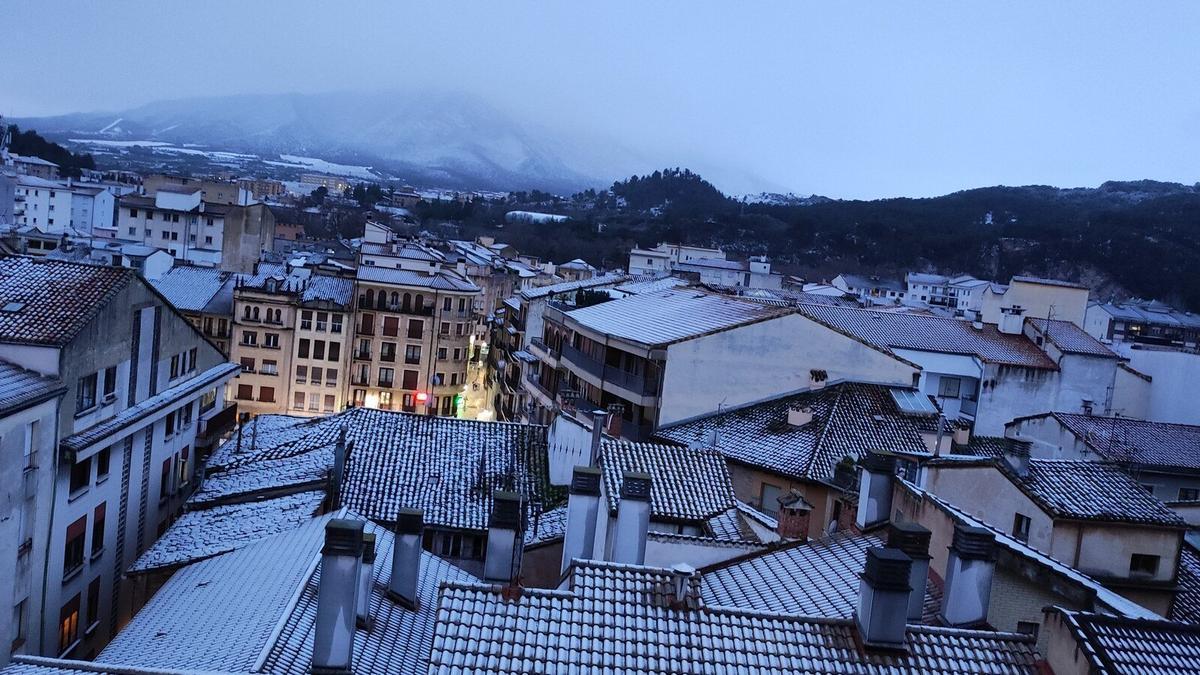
[(704, 265), (195, 231), (962, 294), (871, 290), (64, 206), (144, 398), (1035, 297)]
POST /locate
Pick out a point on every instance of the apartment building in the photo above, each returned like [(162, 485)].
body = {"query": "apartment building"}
[(962, 294), (1035, 297), (205, 296), (192, 230), (412, 338), (291, 336), (144, 401), (232, 193)]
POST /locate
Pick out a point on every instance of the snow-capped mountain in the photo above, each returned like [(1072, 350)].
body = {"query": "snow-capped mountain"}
[(445, 139)]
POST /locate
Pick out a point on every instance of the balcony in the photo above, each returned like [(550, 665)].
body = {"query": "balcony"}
[(360, 380), (632, 382), (387, 356), (213, 427), (362, 355), (583, 361), (386, 384)]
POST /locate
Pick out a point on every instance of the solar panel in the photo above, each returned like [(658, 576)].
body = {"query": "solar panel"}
[(913, 402)]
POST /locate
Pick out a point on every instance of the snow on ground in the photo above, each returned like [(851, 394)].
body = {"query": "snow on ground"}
[(322, 166)]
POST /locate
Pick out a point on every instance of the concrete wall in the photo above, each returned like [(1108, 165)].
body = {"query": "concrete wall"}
[(1131, 395), (1038, 300), (249, 231), (1010, 392), (763, 360), (984, 492), (1174, 376), (748, 486)]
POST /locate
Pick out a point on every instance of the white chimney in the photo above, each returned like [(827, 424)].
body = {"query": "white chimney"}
[(1012, 320), (962, 435), (681, 582), (366, 580), (799, 416), (505, 544), (633, 520), (333, 633), (913, 541), (583, 505), (883, 590), (969, 570), (875, 489), (599, 423), (406, 557)]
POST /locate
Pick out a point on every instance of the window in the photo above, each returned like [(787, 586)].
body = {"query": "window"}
[(318, 351), (769, 499), (441, 353), (385, 400), (247, 364), (301, 374), (266, 394), (81, 475), (306, 319), (110, 381), (18, 624), (31, 444), (329, 402), (98, 529), (302, 348), (415, 328), (1141, 564), (169, 424), (387, 377), (1020, 529), (298, 400), (1189, 494), (460, 328), (102, 461), (133, 213), (93, 604), (182, 465), (270, 367), (271, 340), (335, 323), (245, 392), (453, 378), (174, 366), (360, 396), (164, 481), (85, 397), (412, 354), (410, 379), (331, 377), (73, 549), (322, 321), (391, 326), (68, 626), (316, 375), (948, 387), (250, 338), (335, 351), (445, 328), (447, 304), (208, 240)]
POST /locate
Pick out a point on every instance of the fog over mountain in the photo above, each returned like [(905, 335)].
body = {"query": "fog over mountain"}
[(447, 139)]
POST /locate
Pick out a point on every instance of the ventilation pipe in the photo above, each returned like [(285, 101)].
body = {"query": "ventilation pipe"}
[(913, 541), (633, 520), (969, 570), (333, 633), (502, 562), (583, 507), (366, 580), (875, 489), (406, 557)]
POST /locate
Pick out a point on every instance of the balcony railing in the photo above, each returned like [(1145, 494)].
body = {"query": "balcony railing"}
[(362, 354), (634, 382)]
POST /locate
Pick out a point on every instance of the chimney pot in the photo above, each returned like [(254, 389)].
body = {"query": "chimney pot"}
[(798, 417), (883, 592), (583, 507), (633, 519), (502, 561), (681, 579), (875, 489), (406, 557), (366, 578), (333, 632), (794, 516), (969, 570), (913, 540)]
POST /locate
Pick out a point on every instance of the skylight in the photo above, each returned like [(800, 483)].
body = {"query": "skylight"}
[(913, 402), (12, 307)]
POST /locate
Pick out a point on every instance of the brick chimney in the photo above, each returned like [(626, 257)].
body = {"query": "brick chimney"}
[(969, 570), (875, 489), (913, 541), (366, 579), (883, 590), (633, 520), (406, 557), (616, 413), (794, 516), (506, 529), (583, 507), (333, 633)]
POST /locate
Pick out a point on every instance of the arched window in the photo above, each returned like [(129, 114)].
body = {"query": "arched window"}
[(256, 314), (370, 298), (246, 313), (407, 306), (419, 304), (395, 300), (381, 301)]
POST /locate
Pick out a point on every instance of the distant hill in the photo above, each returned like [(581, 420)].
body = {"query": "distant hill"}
[(431, 138)]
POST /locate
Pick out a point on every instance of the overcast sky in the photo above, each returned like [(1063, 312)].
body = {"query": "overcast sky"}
[(888, 99)]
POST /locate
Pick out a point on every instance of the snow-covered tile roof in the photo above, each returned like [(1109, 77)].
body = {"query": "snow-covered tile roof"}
[(47, 302), (1086, 490), (191, 289), (670, 316), (442, 280), (216, 375), (1069, 338), (650, 284), (685, 483), (446, 466), (1120, 439), (568, 286), (620, 619), (902, 330), (20, 388), (730, 525), (817, 578), (1186, 607), (547, 526), (333, 290), (847, 419), (208, 532), (255, 608), (1050, 282), (1115, 646)]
